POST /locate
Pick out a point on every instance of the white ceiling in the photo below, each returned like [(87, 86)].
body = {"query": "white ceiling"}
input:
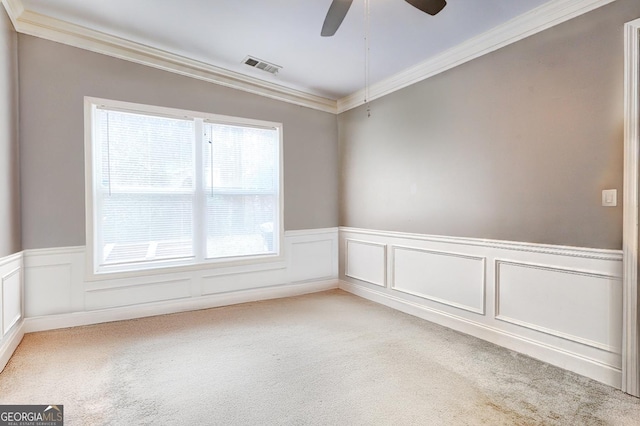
[(287, 33)]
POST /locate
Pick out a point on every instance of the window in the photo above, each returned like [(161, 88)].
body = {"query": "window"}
[(167, 187)]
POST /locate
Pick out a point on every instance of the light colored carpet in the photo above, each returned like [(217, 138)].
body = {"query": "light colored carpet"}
[(327, 358)]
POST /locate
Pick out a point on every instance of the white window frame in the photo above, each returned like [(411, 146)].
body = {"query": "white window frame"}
[(94, 272)]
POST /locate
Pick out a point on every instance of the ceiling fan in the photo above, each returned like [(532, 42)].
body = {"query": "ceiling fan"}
[(339, 8)]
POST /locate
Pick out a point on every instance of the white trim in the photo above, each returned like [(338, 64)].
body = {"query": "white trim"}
[(571, 271), (123, 284), (559, 334), (572, 361), (525, 25), (539, 19), (14, 9), (630, 339), (51, 322), (305, 232), (11, 258), (49, 28), (10, 343), (582, 252), (53, 251)]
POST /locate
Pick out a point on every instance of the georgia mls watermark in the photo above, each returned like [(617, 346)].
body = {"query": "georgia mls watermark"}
[(31, 415)]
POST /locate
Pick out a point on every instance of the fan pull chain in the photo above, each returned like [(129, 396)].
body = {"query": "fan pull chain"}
[(367, 34)]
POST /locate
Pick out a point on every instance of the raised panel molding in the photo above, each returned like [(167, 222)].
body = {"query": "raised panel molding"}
[(453, 279), (304, 264), (137, 294), (366, 261), (584, 295), (559, 304)]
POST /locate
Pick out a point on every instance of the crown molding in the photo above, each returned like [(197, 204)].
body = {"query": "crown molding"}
[(525, 25), (520, 27), (35, 24), (14, 9)]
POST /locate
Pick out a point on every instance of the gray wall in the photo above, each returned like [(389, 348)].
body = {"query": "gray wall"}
[(9, 172), (515, 145), (54, 78)]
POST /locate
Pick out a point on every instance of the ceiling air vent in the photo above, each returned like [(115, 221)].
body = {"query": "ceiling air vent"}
[(261, 65)]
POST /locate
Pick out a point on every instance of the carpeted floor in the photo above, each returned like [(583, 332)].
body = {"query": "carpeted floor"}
[(324, 359)]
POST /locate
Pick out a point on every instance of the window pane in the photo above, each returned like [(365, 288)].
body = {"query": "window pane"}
[(241, 184), (240, 225), (145, 227), (241, 158), (145, 184), (141, 152)]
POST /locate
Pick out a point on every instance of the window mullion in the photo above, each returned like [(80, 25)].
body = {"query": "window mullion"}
[(199, 200)]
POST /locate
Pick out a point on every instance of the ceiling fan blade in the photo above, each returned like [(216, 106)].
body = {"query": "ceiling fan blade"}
[(432, 7), (337, 11)]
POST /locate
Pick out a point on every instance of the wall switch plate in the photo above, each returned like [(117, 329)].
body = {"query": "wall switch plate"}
[(610, 197)]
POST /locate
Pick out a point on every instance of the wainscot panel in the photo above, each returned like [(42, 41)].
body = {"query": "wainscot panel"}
[(58, 294), (49, 292), (451, 278), (11, 306), (366, 261), (562, 305), (581, 306)]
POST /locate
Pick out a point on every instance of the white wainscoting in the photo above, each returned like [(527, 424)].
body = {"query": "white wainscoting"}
[(562, 305), (451, 278), (577, 305), (57, 293), (11, 318), (366, 261)]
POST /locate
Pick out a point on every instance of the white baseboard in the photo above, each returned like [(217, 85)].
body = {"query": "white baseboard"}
[(553, 355), (45, 289), (11, 340), (562, 305), (75, 319)]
